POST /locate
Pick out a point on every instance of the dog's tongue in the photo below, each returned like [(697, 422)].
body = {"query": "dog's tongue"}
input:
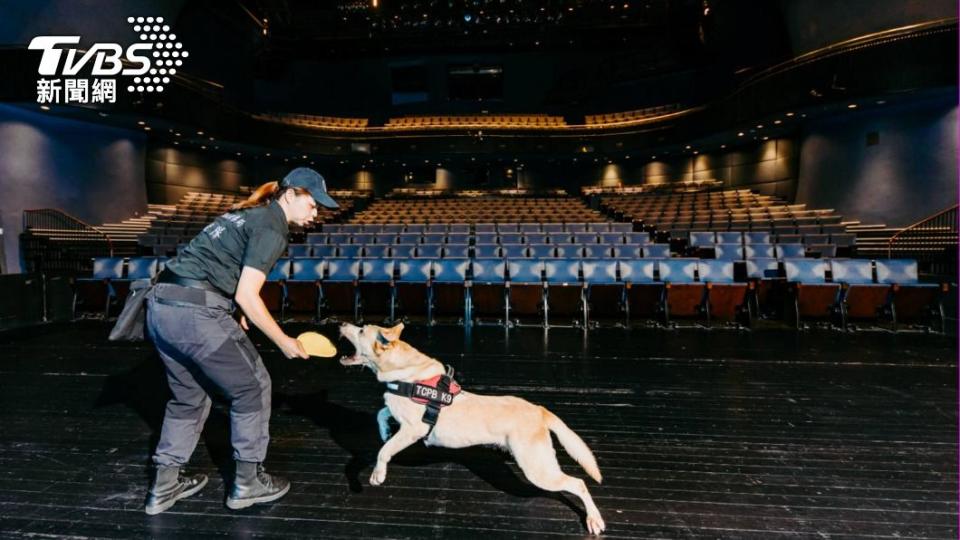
[(349, 360)]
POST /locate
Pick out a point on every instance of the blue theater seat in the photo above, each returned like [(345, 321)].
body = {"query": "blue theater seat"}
[(304, 286), (728, 251), (759, 251), (456, 251), (349, 250), (604, 295), (913, 301), (340, 291), (299, 250), (525, 299), (726, 298), (449, 294), (488, 290), (656, 251), (376, 290), (98, 290), (413, 288), (627, 251), (790, 251), (274, 290), (611, 238), (541, 251), (565, 294), (643, 295), (755, 237), (813, 295), (729, 237), (685, 296), (514, 251), (482, 251)]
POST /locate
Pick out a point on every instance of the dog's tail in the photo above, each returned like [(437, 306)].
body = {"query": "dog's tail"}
[(574, 445)]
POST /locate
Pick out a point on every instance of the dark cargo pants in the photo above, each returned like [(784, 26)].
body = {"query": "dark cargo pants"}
[(201, 344)]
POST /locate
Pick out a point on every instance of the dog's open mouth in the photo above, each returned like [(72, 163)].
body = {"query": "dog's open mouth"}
[(351, 360)]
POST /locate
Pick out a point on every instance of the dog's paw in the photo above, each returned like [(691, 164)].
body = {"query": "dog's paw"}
[(595, 524), (378, 476)]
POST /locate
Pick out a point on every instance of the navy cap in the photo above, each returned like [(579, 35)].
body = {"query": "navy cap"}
[(310, 180)]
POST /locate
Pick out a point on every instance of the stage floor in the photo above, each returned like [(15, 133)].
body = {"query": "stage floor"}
[(699, 434)]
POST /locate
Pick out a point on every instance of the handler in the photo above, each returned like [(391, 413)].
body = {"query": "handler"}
[(190, 320)]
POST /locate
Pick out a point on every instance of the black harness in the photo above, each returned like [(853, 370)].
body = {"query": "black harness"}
[(435, 393)]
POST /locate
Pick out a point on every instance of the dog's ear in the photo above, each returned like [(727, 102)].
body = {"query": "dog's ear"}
[(387, 336)]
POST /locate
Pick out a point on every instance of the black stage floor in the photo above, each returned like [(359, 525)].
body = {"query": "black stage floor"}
[(698, 434)]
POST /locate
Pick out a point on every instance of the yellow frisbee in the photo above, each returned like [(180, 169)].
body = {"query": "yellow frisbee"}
[(317, 345)]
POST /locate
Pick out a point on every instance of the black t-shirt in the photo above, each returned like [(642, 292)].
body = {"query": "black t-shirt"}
[(256, 237)]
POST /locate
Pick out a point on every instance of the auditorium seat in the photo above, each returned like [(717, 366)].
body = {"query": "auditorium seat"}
[(565, 293), (684, 295), (726, 299), (304, 286), (274, 290), (488, 290), (340, 291), (450, 295), (413, 288), (525, 290), (376, 291), (813, 295), (913, 301), (97, 291), (643, 294), (604, 292)]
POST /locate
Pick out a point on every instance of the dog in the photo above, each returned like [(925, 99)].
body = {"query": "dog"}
[(507, 422)]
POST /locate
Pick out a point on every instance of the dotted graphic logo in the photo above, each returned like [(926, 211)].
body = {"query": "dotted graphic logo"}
[(167, 54), (151, 62)]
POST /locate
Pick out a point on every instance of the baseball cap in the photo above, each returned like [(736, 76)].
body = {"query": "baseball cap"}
[(310, 180)]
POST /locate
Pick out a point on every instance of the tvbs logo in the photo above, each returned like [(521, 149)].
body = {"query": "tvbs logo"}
[(151, 62)]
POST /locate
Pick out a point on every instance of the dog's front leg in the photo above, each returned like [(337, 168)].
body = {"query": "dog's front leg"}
[(402, 439)]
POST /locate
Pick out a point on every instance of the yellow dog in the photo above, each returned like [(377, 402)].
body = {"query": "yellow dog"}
[(470, 419)]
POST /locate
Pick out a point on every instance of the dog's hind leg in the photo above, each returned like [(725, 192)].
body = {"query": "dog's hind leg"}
[(400, 440), (538, 460)]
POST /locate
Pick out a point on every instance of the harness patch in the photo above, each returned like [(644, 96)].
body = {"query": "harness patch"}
[(436, 392)]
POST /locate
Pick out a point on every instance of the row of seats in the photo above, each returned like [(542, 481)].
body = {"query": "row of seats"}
[(311, 121), (465, 228), (586, 251), (389, 238), (520, 121), (684, 186), (574, 290), (598, 120), (195, 210), (541, 250), (478, 210)]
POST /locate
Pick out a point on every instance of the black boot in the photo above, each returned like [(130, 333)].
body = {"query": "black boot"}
[(169, 487), (252, 486)]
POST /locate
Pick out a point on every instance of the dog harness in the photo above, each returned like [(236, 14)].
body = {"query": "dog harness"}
[(436, 392)]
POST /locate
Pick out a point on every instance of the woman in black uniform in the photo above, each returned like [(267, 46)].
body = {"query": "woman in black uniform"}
[(190, 320)]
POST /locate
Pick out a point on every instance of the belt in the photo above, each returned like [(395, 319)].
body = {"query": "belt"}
[(166, 276)]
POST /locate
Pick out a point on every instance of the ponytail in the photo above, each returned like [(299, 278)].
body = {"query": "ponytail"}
[(263, 194)]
